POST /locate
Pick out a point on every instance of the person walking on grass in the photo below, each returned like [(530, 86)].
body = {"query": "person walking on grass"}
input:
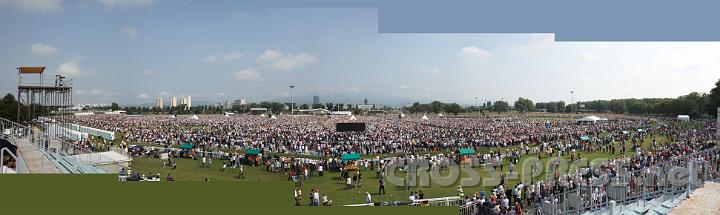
[(241, 173)]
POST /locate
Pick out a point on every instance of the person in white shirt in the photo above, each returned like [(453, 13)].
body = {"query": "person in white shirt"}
[(368, 198), (316, 198)]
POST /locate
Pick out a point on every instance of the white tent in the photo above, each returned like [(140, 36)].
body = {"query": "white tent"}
[(592, 119), (683, 118), (173, 116), (263, 115), (352, 118), (440, 114), (402, 115), (194, 117), (273, 117), (424, 117)]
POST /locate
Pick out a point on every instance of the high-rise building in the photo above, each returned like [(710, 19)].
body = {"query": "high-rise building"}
[(159, 102), (239, 102), (365, 101), (173, 101), (316, 99), (187, 101)]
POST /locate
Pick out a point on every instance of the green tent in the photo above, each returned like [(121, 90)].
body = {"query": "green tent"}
[(252, 152), (186, 146), (584, 138), (350, 157), (466, 151)]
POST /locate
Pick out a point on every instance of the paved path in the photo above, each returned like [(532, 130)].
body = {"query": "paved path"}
[(34, 159), (705, 200)]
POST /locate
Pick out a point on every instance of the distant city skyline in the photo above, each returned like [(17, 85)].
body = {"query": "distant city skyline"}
[(132, 52)]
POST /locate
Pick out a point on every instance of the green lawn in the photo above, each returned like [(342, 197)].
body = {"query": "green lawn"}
[(330, 184)]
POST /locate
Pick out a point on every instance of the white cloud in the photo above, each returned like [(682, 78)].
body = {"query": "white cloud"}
[(72, 68), (111, 4), (433, 70), (98, 91), (292, 61), (591, 57), (472, 52), (43, 49), (403, 86), (269, 55), (130, 32), (540, 43), (248, 74), (276, 60), (222, 58), (143, 96), (42, 6)]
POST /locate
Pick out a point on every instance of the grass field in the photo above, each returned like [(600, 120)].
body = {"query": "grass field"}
[(331, 185)]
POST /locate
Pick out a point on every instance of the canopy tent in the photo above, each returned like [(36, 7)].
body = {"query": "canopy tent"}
[(592, 119), (683, 118), (641, 130), (194, 117), (466, 151), (253, 152), (350, 157), (173, 116), (186, 146), (402, 115), (273, 117), (440, 114), (625, 132), (352, 118), (584, 138), (424, 117), (263, 115)]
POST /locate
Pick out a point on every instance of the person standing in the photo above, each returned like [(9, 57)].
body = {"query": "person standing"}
[(381, 190), (241, 172)]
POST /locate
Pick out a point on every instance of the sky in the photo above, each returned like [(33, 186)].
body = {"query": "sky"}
[(133, 51)]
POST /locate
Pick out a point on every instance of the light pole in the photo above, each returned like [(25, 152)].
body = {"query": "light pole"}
[(292, 103), (572, 101), (476, 104)]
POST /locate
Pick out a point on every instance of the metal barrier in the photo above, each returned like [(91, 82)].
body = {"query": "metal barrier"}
[(442, 201), (63, 154), (664, 180), (2, 157)]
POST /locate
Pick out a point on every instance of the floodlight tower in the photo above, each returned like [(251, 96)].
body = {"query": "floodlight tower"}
[(292, 103), (572, 101)]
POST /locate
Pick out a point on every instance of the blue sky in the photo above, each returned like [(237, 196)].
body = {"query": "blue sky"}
[(133, 51)]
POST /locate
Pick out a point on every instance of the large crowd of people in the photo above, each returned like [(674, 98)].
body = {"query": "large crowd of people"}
[(285, 140)]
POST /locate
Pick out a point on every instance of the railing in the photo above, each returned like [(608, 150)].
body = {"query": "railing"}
[(637, 187), (62, 154), (2, 158), (442, 201)]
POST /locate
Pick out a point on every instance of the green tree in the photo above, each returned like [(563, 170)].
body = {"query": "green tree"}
[(500, 106), (524, 105), (713, 100), (114, 106)]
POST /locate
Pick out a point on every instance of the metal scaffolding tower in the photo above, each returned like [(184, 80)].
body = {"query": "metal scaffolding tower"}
[(42, 98)]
